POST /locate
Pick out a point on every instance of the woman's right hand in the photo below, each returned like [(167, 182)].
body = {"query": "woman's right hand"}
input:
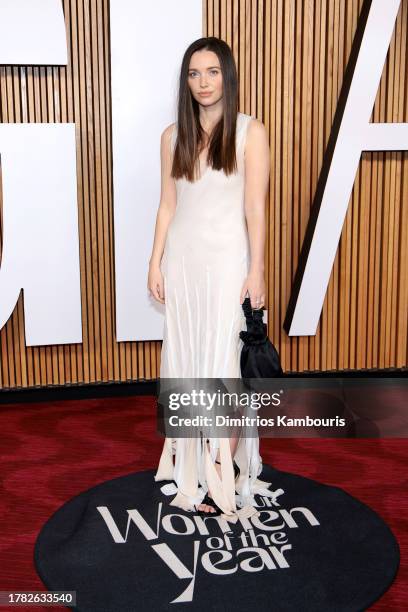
[(155, 283)]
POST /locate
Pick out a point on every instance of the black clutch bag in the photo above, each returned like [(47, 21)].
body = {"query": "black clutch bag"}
[(259, 358)]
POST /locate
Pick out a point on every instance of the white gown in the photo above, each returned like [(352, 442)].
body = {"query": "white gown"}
[(205, 262)]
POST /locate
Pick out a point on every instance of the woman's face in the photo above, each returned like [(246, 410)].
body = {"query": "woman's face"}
[(205, 77)]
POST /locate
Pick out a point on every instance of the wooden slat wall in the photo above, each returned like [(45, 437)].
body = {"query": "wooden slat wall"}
[(291, 58)]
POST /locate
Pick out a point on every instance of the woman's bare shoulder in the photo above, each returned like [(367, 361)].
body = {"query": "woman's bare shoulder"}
[(168, 131), (257, 136), (256, 128), (257, 144)]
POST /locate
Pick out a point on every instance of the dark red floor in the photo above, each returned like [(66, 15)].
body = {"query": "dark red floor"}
[(52, 451)]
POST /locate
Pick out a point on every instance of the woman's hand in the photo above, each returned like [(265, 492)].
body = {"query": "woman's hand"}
[(155, 283), (255, 285)]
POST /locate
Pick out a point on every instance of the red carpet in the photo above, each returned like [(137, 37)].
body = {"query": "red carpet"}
[(52, 451)]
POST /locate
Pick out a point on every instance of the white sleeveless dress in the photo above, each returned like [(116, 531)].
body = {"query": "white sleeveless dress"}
[(205, 262)]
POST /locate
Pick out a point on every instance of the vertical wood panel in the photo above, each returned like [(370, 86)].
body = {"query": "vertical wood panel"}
[(291, 57)]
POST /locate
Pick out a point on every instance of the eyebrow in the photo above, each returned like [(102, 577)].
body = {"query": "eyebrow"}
[(209, 68)]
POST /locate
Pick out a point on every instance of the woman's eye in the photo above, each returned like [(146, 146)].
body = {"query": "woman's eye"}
[(212, 72)]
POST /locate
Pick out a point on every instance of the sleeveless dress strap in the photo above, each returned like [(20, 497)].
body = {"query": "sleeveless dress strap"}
[(242, 129)]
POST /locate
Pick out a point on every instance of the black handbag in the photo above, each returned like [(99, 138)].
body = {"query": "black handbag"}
[(259, 358)]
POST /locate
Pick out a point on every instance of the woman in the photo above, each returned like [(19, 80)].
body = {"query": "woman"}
[(210, 230)]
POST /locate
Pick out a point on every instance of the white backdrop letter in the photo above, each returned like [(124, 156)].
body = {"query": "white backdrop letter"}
[(148, 40), (40, 213), (32, 32), (355, 135), (40, 230)]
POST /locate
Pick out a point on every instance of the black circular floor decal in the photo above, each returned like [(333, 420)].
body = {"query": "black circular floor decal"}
[(122, 547)]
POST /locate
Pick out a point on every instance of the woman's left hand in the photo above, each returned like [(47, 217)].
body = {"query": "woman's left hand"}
[(255, 285)]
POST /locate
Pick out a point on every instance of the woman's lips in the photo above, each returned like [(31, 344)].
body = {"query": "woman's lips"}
[(207, 93)]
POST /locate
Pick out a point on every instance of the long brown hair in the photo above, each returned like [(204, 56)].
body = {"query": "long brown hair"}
[(190, 134)]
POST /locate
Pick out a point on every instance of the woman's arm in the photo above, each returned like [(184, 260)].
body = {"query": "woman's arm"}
[(257, 169), (165, 213)]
